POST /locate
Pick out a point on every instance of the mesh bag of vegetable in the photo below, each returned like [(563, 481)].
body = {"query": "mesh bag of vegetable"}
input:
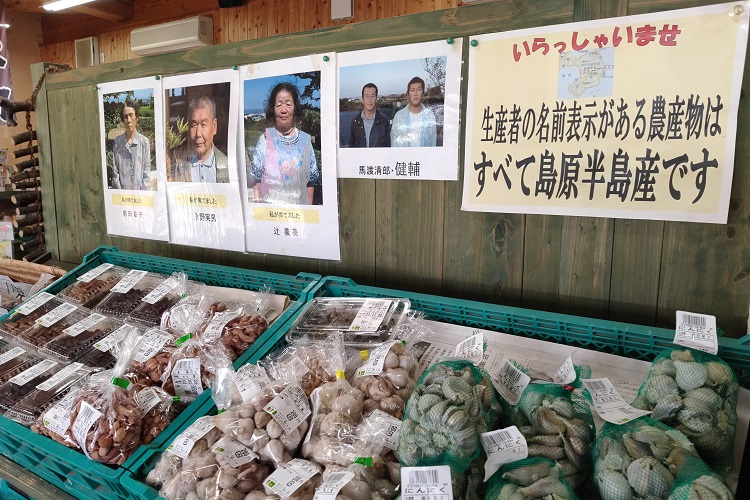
[(533, 477), (696, 480)]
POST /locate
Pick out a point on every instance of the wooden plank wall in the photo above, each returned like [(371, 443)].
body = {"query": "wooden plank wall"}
[(413, 235)]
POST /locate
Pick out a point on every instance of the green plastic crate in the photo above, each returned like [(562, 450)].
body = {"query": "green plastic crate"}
[(73, 472), (8, 493)]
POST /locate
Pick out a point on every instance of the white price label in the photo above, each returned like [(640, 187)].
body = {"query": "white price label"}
[(503, 446), (56, 314), (250, 381), (85, 419), (299, 368), (114, 338), (84, 324), (34, 303), (471, 348), (566, 374), (160, 291), (97, 271), (510, 381), (330, 488), (290, 476), (12, 354), (426, 483), (290, 408), (150, 345), (609, 404), (59, 377), (31, 373), (383, 428), (128, 281), (235, 453), (376, 360), (217, 324), (186, 376), (371, 315), (697, 331), (147, 399), (183, 443), (57, 418)]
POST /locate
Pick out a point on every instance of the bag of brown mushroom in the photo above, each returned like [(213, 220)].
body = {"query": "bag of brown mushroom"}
[(159, 409), (151, 356), (236, 325)]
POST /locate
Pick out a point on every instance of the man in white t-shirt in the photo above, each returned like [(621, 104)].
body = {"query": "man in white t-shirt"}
[(414, 126)]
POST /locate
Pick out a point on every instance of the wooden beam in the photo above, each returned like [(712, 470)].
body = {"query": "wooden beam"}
[(111, 10)]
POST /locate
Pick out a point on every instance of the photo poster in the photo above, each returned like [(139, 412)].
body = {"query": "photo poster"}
[(632, 117), (132, 145), (203, 188), (413, 110), (287, 162)]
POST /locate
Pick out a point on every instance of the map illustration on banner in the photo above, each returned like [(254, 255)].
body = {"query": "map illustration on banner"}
[(631, 117)]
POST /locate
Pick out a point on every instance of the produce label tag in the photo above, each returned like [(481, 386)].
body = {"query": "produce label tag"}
[(290, 408), (299, 368), (290, 476), (186, 376), (57, 418), (31, 373), (420, 483), (59, 377), (250, 381), (12, 354), (84, 325), (697, 331), (609, 404), (330, 488), (33, 303), (371, 315), (471, 348), (150, 345), (235, 453), (85, 419), (56, 314), (383, 428), (128, 281), (160, 291), (217, 324), (183, 443), (97, 271), (374, 364), (147, 399), (510, 381), (503, 447), (114, 338), (566, 374)]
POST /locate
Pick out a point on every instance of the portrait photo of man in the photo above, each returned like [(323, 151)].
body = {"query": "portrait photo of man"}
[(371, 128), (131, 153), (415, 124)]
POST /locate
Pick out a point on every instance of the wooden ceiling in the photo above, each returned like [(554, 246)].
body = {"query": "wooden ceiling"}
[(111, 10)]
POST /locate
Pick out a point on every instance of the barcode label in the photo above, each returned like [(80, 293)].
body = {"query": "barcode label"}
[(59, 377), (150, 345), (433, 483), (499, 437), (186, 376), (424, 477), (56, 314), (376, 360), (566, 374), (503, 446), (251, 380), (84, 324), (693, 320), (85, 419), (289, 408), (510, 381), (183, 443), (57, 418), (597, 385), (12, 354), (609, 404), (697, 331), (31, 373), (129, 281), (330, 488), (114, 338), (217, 324), (160, 291), (97, 271), (472, 348), (147, 399), (34, 303)]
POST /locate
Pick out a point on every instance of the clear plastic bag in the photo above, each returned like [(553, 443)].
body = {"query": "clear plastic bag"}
[(54, 421), (127, 294), (14, 360), (103, 351), (159, 409), (90, 288), (152, 354), (237, 325), (20, 385)]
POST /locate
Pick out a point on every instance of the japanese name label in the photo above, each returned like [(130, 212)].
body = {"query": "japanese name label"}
[(421, 483), (32, 304), (218, 322), (609, 404), (330, 488), (129, 281), (97, 271), (33, 372), (697, 331), (59, 377), (374, 363), (85, 419), (289, 408), (471, 348), (236, 453), (251, 380), (150, 345), (186, 376), (566, 374), (290, 476), (56, 314), (503, 447), (384, 428), (57, 418), (160, 291), (114, 338), (370, 315), (12, 354), (183, 443), (83, 325), (509, 381), (147, 399)]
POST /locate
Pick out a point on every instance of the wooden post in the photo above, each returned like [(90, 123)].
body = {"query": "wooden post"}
[(28, 220), (26, 198), (30, 230), (20, 153), (29, 209)]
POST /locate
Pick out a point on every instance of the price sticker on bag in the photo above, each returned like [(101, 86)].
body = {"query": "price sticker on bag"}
[(186, 377), (510, 381), (251, 380), (329, 489), (289, 477), (566, 374), (56, 314), (382, 428), (57, 418), (160, 291), (183, 443), (503, 446), (60, 377), (83, 325), (114, 338), (94, 273), (609, 404), (87, 415), (217, 324), (290, 408), (697, 331), (12, 354), (234, 452), (371, 315), (34, 303), (147, 399), (150, 345), (31, 373), (376, 359), (129, 281), (419, 483), (472, 348)]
